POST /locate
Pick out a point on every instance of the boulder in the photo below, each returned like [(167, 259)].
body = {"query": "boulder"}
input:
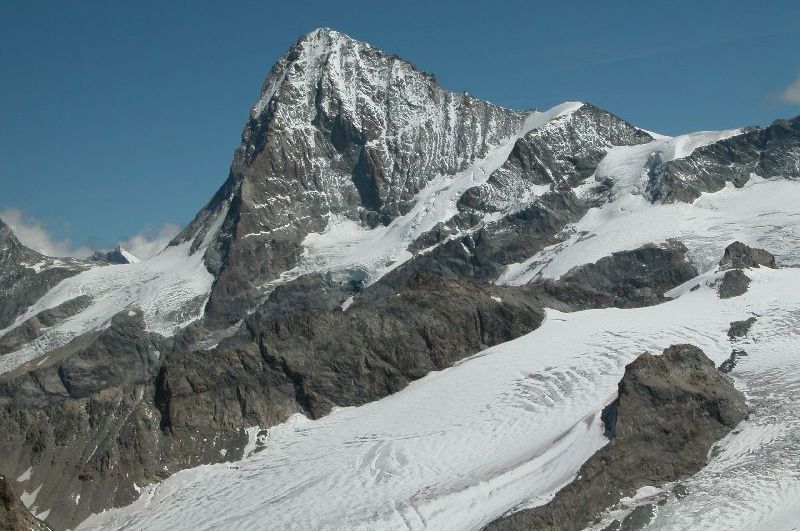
[(740, 256)]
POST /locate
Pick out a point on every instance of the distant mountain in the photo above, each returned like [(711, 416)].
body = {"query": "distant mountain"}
[(118, 255), (375, 227)]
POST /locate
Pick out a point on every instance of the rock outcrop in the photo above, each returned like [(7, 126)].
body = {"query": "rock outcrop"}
[(740, 256), (118, 255), (740, 328), (669, 412), (14, 516), (641, 276), (734, 283), (26, 275)]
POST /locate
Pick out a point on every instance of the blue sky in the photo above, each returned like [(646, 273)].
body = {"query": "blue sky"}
[(120, 119)]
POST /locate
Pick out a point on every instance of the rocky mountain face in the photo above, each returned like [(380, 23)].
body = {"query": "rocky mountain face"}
[(768, 152), (25, 275), (356, 245), (14, 516), (341, 129)]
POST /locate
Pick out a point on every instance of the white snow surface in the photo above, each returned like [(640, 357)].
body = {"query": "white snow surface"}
[(346, 244), (507, 427)]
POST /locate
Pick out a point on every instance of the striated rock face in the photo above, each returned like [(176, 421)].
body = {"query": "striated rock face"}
[(669, 412), (82, 423), (14, 516), (341, 128), (768, 152), (26, 275)]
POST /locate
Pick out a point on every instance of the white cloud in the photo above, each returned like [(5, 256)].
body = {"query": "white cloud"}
[(32, 233), (791, 94), (150, 241)]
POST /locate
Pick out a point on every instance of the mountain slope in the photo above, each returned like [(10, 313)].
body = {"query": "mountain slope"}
[(26, 275), (419, 458), (375, 227)]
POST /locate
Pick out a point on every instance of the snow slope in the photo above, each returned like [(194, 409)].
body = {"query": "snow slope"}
[(503, 429), (762, 213), (169, 289)]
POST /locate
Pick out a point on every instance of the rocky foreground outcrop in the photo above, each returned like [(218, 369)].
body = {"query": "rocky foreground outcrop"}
[(14, 516), (670, 411)]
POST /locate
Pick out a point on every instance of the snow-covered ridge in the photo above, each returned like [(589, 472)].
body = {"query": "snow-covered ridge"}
[(629, 220), (346, 244), (129, 256)]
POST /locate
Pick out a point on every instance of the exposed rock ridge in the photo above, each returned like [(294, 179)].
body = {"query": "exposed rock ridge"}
[(26, 275), (560, 155), (773, 151)]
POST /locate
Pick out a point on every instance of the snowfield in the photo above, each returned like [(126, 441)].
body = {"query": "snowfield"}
[(762, 214), (170, 289), (509, 426)]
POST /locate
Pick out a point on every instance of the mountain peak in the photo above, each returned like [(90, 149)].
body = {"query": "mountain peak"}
[(323, 52), (320, 34), (119, 255)]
